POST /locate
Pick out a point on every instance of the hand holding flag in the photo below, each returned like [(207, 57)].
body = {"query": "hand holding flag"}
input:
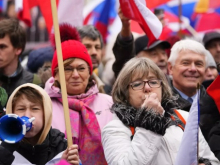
[(137, 11)]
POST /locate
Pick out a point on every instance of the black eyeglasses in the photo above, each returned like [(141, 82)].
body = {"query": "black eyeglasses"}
[(139, 85)]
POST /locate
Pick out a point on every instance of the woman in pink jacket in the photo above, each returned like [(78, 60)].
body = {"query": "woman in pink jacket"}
[(89, 109)]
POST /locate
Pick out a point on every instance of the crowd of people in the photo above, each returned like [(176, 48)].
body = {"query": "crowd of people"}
[(138, 119)]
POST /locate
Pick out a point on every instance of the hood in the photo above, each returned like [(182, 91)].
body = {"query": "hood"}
[(55, 92), (47, 108)]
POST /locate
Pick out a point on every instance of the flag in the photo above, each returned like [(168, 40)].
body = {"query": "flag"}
[(101, 14), (214, 91), (105, 19), (22, 7), (69, 11), (138, 11), (187, 153), (154, 3)]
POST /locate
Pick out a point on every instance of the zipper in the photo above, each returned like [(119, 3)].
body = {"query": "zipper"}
[(33, 151)]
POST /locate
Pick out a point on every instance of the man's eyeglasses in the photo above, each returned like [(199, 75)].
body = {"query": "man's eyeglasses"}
[(139, 85)]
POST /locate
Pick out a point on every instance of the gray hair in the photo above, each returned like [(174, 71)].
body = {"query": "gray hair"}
[(187, 45), (91, 32), (211, 61), (140, 67)]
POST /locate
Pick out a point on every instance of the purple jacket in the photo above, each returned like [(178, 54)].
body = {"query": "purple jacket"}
[(101, 105)]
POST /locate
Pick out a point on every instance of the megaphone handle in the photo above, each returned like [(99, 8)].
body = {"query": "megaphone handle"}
[(31, 119)]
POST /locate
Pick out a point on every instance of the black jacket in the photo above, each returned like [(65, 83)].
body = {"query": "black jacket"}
[(123, 52), (214, 139), (39, 154), (11, 83), (209, 114)]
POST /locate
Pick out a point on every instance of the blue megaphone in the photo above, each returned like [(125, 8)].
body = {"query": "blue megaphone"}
[(13, 128)]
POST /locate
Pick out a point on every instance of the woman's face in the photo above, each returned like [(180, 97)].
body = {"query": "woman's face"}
[(137, 97), (76, 76)]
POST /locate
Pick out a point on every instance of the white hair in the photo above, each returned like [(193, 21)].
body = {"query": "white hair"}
[(187, 45)]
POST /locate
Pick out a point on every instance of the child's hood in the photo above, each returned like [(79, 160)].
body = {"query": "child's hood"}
[(47, 108)]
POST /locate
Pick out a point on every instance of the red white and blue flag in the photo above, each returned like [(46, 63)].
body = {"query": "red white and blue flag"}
[(101, 14), (137, 10)]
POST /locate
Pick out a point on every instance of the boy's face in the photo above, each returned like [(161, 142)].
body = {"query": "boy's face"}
[(23, 107)]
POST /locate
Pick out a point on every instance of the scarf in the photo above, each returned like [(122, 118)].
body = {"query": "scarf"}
[(148, 119), (85, 131)]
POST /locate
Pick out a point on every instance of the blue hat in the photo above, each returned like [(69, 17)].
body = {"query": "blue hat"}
[(38, 57)]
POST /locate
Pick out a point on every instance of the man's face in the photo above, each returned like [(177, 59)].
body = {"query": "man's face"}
[(188, 71), (8, 54), (157, 55), (214, 49), (94, 50)]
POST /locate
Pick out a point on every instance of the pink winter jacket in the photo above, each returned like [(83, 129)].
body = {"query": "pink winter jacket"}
[(101, 106)]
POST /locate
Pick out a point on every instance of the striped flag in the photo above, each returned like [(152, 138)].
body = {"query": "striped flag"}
[(188, 151), (137, 10)]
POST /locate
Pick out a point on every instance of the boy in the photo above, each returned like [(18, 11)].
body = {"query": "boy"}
[(42, 143)]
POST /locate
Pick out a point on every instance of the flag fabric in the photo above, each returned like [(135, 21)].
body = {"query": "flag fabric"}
[(23, 7), (104, 19), (101, 14), (154, 3), (187, 153), (138, 11), (69, 11), (214, 91)]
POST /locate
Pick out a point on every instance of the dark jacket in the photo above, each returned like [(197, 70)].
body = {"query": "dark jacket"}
[(39, 154), (209, 114), (214, 139), (123, 50), (22, 77)]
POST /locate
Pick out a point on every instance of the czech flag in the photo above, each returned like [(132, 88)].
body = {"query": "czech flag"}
[(137, 10)]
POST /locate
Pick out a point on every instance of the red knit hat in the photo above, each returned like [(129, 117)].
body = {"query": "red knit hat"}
[(71, 47)]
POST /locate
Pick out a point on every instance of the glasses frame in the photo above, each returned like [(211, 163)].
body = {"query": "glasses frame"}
[(86, 68), (146, 81)]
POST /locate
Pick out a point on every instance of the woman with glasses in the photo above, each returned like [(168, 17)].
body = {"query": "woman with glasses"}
[(145, 130), (89, 109)]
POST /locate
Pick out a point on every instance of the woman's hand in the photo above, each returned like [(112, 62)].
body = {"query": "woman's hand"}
[(152, 102), (71, 155)]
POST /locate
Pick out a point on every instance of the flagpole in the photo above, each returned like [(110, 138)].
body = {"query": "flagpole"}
[(61, 72), (198, 101), (180, 15)]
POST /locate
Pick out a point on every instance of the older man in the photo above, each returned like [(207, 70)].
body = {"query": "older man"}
[(93, 41), (187, 64)]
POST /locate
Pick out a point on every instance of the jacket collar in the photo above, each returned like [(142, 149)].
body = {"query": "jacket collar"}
[(18, 72)]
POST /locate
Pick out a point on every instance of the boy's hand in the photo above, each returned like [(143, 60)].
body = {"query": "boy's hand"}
[(71, 155)]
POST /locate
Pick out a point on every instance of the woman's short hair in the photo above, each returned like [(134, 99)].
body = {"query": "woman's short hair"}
[(187, 45), (138, 67)]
